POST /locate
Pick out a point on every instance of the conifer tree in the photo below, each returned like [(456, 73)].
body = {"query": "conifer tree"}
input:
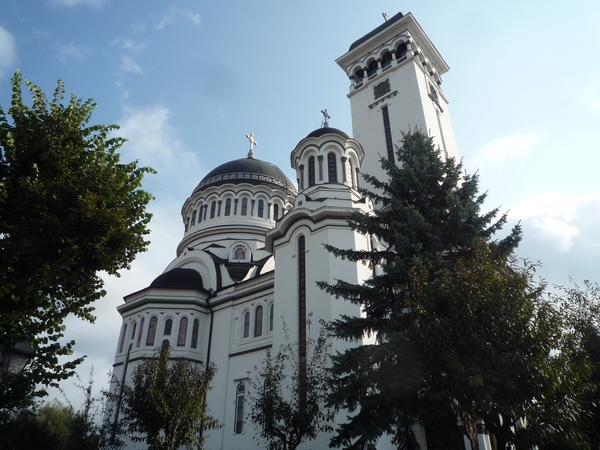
[(445, 297)]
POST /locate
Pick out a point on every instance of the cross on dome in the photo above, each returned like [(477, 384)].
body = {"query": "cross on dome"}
[(253, 142)]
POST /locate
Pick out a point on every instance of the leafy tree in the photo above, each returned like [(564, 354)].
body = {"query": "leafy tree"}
[(447, 306), (69, 209), (287, 406), (166, 404), (56, 425)]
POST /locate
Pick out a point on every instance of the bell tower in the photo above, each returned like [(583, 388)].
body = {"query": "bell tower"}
[(396, 84)]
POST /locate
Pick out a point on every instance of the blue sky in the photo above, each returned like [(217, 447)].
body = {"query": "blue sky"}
[(186, 80)]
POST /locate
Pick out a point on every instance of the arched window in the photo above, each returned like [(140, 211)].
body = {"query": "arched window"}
[(275, 211), (239, 408), (359, 75), (152, 328), (372, 68), (386, 60), (133, 330), (311, 171), (258, 321), (332, 168), (261, 208), (244, 211), (194, 218), (187, 223), (228, 207), (183, 325), (200, 214), (246, 330), (195, 333), (168, 326), (401, 50), (213, 209), (123, 335), (271, 311), (139, 339)]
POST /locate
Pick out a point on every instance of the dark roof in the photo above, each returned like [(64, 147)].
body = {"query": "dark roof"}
[(248, 170), (377, 30), (178, 279), (327, 130)]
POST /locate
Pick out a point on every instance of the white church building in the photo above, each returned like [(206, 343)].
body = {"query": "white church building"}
[(252, 247)]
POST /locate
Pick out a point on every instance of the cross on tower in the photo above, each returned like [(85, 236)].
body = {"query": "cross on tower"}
[(326, 118)]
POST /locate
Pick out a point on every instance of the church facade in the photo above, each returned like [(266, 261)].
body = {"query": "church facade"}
[(252, 248)]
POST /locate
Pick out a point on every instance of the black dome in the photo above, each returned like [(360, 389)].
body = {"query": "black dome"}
[(327, 130), (247, 170), (179, 279)]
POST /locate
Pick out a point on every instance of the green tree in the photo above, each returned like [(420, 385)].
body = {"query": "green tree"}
[(428, 365), (289, 407), (165, 405), (69, 209)]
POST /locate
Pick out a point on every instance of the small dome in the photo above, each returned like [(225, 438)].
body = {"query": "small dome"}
[(179, 279), (327, 130), (248, 170)]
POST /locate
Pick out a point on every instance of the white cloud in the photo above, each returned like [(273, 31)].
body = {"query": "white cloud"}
[(174, 14), (73, 53), (591, 97), (8, 52), (129, 44), (129, 65), (559, 219), (72, 3), (505, 150), (155, 143)]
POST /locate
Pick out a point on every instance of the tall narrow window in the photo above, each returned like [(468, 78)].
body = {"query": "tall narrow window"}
[(275, 211), (388, 133), (386, 60), (123, 336), (401, 50), (332, 168), (271, 311), (239, 408), (372, 68), (152, 330), (200, 214), (168, 326), (246, 330), (139, 339), (133, 330), (228, 207), (311, 171), (261, 208), (244, 211), (187, 223), (183, 325), (194, 218), (195, 333), (258, 321), (302, 320), (359, 75), (213, 209)]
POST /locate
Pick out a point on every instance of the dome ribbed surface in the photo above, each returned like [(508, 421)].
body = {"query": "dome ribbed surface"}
[(327, 130), (179, 279), (247, 170)]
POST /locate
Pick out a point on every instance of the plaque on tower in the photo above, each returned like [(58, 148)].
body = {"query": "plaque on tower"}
[(382, 88)]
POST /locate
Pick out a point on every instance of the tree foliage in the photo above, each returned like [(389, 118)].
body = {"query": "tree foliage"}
[(69, 209), (289, 407), (165, 406), (461, 330), (55, 425)]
